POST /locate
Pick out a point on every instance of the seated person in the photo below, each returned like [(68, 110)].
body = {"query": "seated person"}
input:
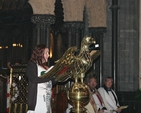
[(109, 96), (96, 104)]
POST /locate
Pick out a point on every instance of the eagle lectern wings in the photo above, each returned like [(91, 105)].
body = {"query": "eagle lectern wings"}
[(74, 66)]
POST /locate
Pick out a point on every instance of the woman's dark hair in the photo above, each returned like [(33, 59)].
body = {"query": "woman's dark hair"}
[(38, 54)]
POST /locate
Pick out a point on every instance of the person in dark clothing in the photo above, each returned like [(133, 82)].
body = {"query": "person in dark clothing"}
[(39, 89)]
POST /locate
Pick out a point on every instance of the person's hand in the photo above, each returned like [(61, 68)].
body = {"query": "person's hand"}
[(118, 110), (101, 111)]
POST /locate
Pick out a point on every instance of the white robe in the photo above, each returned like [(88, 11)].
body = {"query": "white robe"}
[(108, 99), (93, 107), (98, 104), (89, 108)]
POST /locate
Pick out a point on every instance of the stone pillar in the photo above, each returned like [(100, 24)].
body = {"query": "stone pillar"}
[(97, 27), (114, 9), (86, 29), (140, 44), (42, 31), (98, 34), (73, 17), (74, 33), (43, 17)]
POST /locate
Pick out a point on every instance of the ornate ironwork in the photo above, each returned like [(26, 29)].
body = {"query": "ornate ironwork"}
[(43, 19), (18, 89), (74, 25)]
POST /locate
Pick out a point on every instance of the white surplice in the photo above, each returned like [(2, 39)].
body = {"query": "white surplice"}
[(109, 99)]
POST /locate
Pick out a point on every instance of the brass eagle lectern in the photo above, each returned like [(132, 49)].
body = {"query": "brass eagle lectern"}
[(74, 66)]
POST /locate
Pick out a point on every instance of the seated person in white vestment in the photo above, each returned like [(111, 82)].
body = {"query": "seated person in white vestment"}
[(109, 96), (96, 104)]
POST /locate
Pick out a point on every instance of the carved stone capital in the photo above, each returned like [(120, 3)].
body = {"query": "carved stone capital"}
[(74, 24), (97, 32), (43, 19), (98, 29)]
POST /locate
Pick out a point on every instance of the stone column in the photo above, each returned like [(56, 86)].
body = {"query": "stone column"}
[(43, 17), (42, 31), (140, 44), (74, 33), (97, 27), (98, 34), (114, 9), (73, 18)]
